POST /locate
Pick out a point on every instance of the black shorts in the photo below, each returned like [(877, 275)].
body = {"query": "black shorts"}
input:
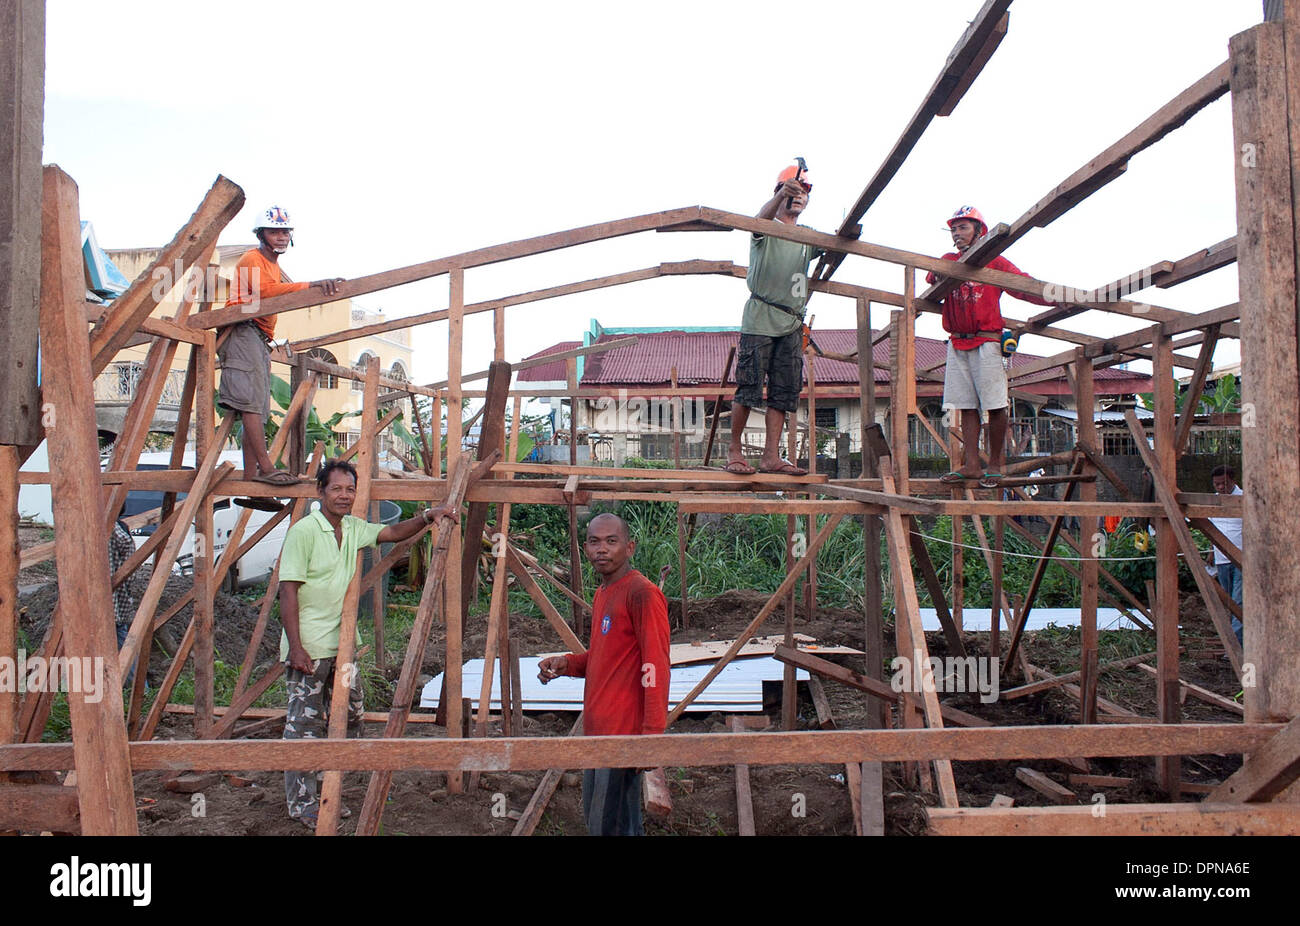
[(777, 360)]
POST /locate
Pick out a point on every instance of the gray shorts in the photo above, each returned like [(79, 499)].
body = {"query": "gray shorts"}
[(975, 378), (245, 371)]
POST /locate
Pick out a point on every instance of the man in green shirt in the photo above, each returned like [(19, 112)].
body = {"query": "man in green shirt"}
[(771, 330), (317, 564)]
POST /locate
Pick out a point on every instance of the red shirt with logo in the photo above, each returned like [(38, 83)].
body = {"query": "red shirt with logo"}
[(975, 307), (626, 665)]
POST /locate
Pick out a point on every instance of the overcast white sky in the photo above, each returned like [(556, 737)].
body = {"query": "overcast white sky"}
[(400, 132)]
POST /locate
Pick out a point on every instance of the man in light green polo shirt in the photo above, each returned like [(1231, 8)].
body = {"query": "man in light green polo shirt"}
[(317, 564), (771, 330)]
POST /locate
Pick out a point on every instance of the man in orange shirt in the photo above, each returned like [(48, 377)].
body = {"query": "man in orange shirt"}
[(626, 670), (246, 350)]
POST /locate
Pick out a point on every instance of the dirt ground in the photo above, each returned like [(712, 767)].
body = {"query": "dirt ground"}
[(704, 798)]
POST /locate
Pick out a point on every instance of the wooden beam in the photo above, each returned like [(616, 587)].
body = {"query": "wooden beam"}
[(9, 568), (39, 807), (543, 603), (407, 682), (1056, 793), (1267, 771), (784, 589), (1194, 390), (345, 662), (1194, 265), (1205, 819), (1133, 339), (360, 286), (221, 204), (1112, 162), (532, 814), (491, 444), (549, 358), (104, 788), (1009, 694), (951, 632), (1265, 108), (1204, 694), (964, 62), (744, 797), (1183, 537), (678, 749)]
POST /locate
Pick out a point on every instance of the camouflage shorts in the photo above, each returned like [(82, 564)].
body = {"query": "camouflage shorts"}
[(308, 718), (779, 362)]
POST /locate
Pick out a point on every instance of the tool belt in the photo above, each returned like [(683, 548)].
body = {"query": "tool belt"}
[(975, 334), (776, 305), (260, 333)]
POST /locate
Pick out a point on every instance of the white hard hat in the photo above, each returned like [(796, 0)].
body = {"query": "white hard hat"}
[(273, 217)]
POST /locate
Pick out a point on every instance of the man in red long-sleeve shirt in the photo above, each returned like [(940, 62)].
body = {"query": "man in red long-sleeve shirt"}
[(626, 668), (974, 376)]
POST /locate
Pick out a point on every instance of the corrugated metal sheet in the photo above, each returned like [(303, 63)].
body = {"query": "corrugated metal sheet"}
[(737, 689), (979, 618), (548, 372)]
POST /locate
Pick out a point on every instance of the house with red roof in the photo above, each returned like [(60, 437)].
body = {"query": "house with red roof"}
[(624, 408)]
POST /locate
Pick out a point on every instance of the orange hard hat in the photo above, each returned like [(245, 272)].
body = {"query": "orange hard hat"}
[(971, 214), (790, 173)]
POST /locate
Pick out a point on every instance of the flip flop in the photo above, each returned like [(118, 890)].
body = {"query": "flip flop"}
[(990, 480), (785, 469), (953, 478), (279, 477), (260, 504), (740, 468)]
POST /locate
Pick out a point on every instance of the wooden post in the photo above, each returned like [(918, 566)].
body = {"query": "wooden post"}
[(22, 87), (675, 420), (452, 586), (898, 408), (872, 593), (789, 687), (9, 589), (435, 435), (492, 438), (1168, 706), (204, 653), (1265, 110), (345, 664), (104, 789), (958, 539), (499, 333), (575, 552), (436, 579), (681, 566), (810, 583), (1091, 540), (507, 654)]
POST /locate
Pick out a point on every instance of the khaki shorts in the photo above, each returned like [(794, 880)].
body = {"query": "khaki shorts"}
[(975, 378), (245, 371)]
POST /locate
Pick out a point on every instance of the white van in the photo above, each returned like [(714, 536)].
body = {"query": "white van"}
[(254, 566)]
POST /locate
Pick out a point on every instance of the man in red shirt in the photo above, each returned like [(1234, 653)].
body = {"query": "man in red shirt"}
[(974, 376), (245, 351), (626, 668)]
